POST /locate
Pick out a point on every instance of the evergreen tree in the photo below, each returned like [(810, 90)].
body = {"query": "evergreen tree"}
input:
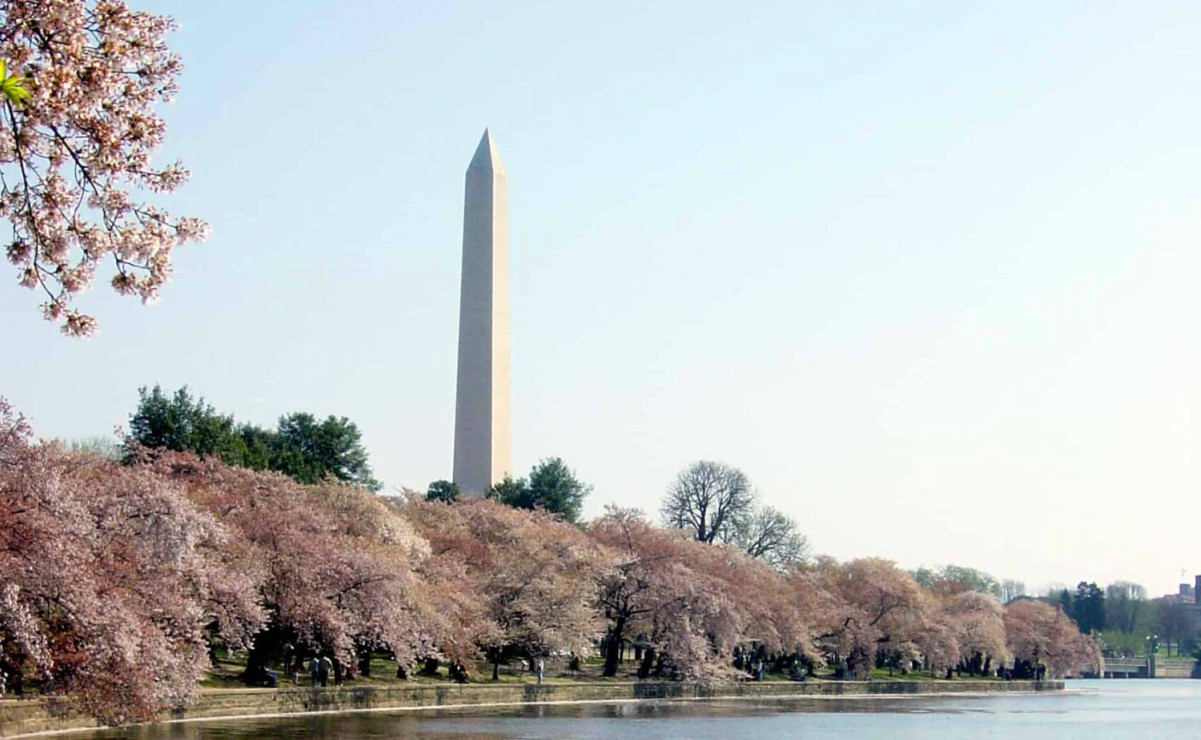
[(180, 422), (442, 490), (551, 486), (1088, 607)]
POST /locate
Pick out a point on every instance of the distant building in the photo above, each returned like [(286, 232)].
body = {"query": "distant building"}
[(1186, 593)]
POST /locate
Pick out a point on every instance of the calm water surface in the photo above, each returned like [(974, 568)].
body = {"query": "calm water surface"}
[(1088, 709)]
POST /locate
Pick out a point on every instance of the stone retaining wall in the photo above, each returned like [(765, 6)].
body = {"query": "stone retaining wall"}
[(19, 716)]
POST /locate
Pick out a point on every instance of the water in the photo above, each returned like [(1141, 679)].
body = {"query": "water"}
[(1087, 709)]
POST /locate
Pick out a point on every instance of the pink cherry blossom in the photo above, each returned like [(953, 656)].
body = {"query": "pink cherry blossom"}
[(75, 152)]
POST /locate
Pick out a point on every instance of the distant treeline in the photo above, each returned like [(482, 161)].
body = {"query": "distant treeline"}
[(301, 446)]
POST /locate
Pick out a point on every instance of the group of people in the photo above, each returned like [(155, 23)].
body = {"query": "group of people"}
[(321, 668), (753, 661)]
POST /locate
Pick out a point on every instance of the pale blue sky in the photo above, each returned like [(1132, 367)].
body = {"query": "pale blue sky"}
[(927, 272)]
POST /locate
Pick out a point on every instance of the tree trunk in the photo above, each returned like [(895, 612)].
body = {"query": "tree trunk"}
[(266, 643), (648, 661), (613, 648)]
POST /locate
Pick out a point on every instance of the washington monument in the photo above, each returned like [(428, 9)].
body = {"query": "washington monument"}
[(482, 402)]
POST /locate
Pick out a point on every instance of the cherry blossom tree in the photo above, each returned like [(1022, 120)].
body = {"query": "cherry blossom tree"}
[(691, 602), (335, 565), (77, 183), (938, 641), (14, 435), (116, 579), (883, 609), (963, 630), (839, 628), (763, 611), (980, 628), (1043, 635), (532, 575), (111, 580)]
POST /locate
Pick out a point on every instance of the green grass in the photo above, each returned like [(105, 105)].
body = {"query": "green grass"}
[(226, 669), (881, 674), (223, 674)]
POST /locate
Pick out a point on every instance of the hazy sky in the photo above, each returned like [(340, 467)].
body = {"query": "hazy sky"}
[(927, 272)]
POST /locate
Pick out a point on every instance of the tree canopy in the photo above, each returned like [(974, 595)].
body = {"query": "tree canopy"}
[(954, 579), (442, 490), (715, 503), (710, 500), (773, 536), (301, 447), (308, 450), (1088, 607), (182, 422), (552, 486)]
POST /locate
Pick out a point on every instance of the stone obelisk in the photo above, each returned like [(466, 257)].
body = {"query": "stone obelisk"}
[(482, 401)]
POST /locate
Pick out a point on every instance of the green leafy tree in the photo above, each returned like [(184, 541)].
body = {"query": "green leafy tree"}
[(181, 422), (955, 579), (554, 486), (551, 486), (1063, 598), (301, 447), (442, 490), (1124, 602), (262, 446), (1088, 607), (510, 491), (1176, 623), (309, 450)]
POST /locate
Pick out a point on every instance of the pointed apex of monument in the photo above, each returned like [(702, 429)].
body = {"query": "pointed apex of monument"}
[(486, 156)]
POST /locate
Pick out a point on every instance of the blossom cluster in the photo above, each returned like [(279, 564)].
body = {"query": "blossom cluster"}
[(76, 151)]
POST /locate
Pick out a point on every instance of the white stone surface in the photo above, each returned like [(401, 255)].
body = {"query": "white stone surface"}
[(482, 447)]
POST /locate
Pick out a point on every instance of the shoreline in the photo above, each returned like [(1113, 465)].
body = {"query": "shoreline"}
[(52, 717)]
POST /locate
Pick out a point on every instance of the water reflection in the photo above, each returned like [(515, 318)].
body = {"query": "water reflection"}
[(1140, 709)]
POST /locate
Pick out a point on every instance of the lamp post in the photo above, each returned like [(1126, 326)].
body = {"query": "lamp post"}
[(1152, 648)]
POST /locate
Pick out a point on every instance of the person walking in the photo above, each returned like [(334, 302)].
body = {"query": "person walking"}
[(327, 665), (540, 667), (314, 669)]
